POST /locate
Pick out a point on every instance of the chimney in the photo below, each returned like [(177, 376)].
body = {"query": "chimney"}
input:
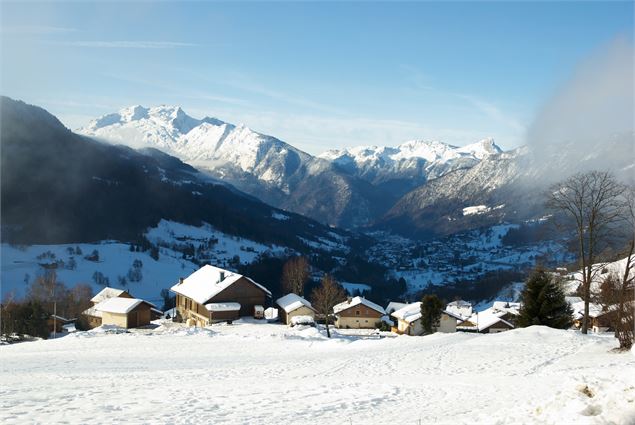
[(180, 280), (222, 276)]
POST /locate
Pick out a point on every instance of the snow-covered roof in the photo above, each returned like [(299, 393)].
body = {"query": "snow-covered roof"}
[(291, 302), (222, 306), (394, 306), (507, 307), (412, 312), (92, 311), (409, 313), (357, 301), (460, 308), (209, 281), (106, 293), (120, 305), (60, 318), (482, 320), (595, 310)]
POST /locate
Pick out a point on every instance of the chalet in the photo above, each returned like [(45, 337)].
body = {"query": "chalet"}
[(460, 308), (600, 319), (358, 313), (212, 294), (92, 315), (409, 320), (498, 318), (292, 305), (125, 312)]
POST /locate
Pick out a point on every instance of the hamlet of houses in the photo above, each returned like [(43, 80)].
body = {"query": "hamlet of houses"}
[(213, 295)]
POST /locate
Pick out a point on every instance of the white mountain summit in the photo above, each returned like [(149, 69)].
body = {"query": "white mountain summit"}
[(208, 143)]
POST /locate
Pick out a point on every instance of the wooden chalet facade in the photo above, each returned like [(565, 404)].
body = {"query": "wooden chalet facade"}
[(358, 313)]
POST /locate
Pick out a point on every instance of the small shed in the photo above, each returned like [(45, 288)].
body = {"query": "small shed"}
[(56, 323), (292, 305), (125, 312)]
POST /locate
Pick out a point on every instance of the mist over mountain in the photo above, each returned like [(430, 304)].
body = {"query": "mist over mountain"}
[(61, 187)]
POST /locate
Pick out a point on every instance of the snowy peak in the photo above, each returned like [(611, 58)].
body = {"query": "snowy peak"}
[(208, 143), (166, 116), (419, 159), (428, 150), (482, 149)]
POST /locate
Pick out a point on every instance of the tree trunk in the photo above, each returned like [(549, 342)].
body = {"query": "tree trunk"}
[(623, 330), (328, 332)]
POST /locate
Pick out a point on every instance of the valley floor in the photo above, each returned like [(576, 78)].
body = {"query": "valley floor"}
[(266, 374)]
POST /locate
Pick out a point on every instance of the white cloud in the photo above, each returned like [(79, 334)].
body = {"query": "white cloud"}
[(35, 29), (124, 44)]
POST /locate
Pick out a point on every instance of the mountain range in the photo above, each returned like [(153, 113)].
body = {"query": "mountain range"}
[(164, 164), (351, 188)]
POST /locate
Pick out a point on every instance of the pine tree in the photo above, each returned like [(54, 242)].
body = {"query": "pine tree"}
[(431, 309), (543, 302)]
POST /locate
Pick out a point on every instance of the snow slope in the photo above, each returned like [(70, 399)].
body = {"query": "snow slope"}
[(267, 373), (115, 260)]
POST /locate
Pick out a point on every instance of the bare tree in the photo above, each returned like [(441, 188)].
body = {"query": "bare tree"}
[(593, 203), (618, 292), (325, 297), (295, 274)]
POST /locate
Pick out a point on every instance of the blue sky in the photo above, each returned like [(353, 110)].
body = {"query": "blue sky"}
[(317, 75)]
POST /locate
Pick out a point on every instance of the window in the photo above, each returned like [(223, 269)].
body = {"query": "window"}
[(357, 312)]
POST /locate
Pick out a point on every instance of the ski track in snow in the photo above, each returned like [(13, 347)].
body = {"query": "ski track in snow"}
[(265, 373)]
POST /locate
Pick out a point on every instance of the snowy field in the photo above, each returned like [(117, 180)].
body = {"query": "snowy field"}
[(266, 373)]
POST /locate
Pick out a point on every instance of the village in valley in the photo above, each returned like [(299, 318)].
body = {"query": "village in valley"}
[(212, 296), (317, 212)]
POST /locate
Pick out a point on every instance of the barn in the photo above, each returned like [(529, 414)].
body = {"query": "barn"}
[(125, 312), (92, 315)]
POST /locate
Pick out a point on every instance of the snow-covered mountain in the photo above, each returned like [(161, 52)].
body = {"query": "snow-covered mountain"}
[(348, 187), (419, 160), (257, 164), (209, 143)]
